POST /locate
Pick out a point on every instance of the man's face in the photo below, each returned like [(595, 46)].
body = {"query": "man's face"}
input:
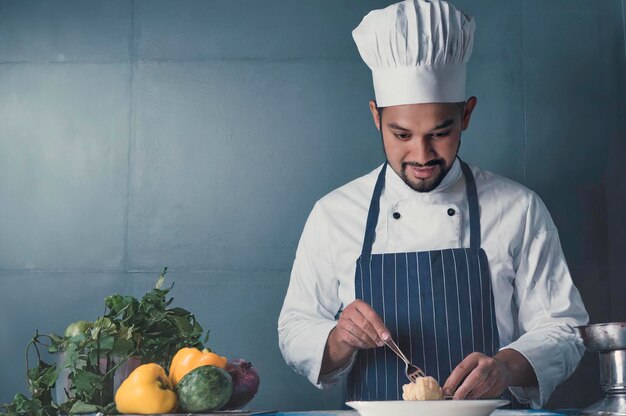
[(421, 141)]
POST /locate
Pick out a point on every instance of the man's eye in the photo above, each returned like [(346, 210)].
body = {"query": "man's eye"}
[(441, 134), (402, 136)]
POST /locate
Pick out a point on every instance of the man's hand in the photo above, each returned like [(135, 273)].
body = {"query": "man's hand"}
[(358, 327), (480, 377)]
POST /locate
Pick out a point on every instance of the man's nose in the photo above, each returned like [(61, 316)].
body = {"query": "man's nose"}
[(421, 150)]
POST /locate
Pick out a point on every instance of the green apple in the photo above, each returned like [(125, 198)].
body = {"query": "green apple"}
[(77, 328)]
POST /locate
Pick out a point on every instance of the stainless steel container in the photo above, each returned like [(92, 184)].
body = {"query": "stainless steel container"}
[(63, 383), (609, 341)]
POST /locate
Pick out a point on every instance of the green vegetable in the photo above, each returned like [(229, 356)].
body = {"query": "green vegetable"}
[(204, 389), (148, 328)]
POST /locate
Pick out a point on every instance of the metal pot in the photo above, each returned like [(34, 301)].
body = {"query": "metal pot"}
[(609, 341), (63, 383)]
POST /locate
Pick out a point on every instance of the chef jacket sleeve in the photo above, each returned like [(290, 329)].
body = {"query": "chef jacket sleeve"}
[(310, 306), (549, 307)]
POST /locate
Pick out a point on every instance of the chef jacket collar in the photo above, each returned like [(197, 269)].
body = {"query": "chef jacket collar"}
[(394, 182)]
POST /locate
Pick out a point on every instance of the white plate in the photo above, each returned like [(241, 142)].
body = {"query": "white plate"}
[(427, 407)]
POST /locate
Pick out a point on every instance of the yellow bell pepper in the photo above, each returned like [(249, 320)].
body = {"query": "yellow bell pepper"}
[(147, 390), (187, 359)]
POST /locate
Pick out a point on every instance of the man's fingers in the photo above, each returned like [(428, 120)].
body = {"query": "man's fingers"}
[(368, 320), (374, 320), (354, 341), (350, 327), (471, 382), (492, 387), (460, 372), (356, 321), (367, 327), (480, 390), (477, 376)]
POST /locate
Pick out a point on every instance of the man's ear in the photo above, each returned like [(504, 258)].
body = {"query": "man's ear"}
[(375, 114), (470, 104)]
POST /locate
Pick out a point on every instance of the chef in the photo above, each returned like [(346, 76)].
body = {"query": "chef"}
[(461, 267)]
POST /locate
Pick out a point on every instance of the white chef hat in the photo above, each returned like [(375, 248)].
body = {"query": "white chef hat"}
[(417, 51)]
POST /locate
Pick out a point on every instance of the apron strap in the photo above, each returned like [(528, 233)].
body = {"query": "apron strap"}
[(372, 215), (374, 210), (472, 201)]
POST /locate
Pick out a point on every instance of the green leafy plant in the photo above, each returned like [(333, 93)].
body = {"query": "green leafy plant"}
[(146, 328)]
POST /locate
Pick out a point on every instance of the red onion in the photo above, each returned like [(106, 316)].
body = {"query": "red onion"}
[(245, 383)]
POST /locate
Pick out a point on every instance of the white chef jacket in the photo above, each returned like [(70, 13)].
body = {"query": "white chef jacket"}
[(536, 303)]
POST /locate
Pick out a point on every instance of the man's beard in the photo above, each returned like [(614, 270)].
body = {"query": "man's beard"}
[(428, 184)]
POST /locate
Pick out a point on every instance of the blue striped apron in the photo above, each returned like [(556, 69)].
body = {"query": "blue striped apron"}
[(437, 305)]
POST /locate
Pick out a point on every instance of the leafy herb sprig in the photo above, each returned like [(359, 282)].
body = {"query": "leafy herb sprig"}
[(146, 328)]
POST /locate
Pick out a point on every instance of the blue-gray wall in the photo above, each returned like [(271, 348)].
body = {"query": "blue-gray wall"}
[(198, 134)]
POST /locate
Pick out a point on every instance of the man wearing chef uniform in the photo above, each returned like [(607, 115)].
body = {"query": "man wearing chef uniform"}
[(461, 267)]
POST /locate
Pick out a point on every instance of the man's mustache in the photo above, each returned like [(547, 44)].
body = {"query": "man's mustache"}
[(430, 163)]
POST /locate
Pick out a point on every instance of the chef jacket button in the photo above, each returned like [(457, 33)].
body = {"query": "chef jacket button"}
[(451, 212), (396, 215)]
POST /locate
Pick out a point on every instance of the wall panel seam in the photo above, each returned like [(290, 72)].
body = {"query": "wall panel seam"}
[(524, 126), (131, 105), (624, 26)]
